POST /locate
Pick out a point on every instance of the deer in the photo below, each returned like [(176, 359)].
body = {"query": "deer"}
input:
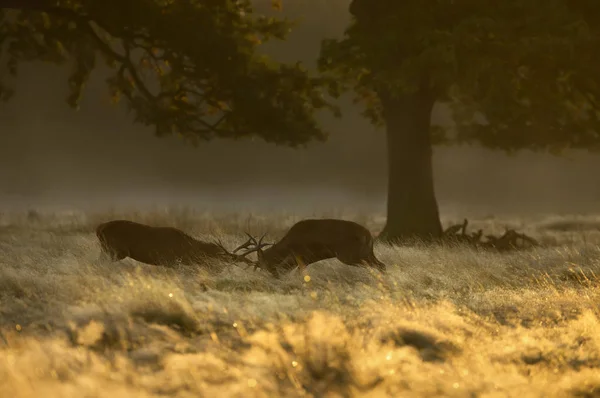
[(312, 240), (164, 246)]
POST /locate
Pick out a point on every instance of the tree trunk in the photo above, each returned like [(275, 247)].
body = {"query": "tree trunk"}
[(412, 210)]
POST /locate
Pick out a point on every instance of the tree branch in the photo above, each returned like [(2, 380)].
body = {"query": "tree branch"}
[(95, 29), (27, 4)]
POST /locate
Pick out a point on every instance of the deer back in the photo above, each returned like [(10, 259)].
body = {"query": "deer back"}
[(320, 238), (329, 232), (152, 244)]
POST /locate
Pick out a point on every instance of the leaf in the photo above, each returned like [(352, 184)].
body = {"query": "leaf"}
[(277, 5), (6, 93), (46, 20)]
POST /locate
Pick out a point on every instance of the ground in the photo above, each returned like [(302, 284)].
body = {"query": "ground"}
[(445, 321)]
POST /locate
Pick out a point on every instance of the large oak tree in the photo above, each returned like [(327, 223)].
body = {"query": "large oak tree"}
[(518, 74)]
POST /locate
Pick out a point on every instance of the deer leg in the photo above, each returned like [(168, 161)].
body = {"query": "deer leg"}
[(353, 258), (300, 263), (375, 263), (353, 261), (107, 254), (358, 260)]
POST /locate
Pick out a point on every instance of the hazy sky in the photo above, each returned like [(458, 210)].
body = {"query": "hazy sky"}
[(49, 152)]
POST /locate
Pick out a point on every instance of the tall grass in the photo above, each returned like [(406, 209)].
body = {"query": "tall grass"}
[(444, 321)]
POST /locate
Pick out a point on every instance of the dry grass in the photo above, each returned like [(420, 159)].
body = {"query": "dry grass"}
[(444, 321)]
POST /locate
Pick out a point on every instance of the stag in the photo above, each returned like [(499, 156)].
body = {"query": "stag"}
[(309, 241), (164, 246)]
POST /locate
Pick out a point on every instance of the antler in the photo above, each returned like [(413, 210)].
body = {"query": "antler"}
[(248, 243), (238, 257), (252, 242), (255, 246)]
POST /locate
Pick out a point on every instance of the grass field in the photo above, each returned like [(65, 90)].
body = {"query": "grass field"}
[(445, 321)]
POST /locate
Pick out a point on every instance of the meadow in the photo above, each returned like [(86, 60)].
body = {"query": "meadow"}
[(445, 321)]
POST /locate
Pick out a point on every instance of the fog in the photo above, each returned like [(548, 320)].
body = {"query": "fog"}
[(50, 154)]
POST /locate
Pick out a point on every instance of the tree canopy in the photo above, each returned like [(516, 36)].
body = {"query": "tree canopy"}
[(517, 73), (184, 67)]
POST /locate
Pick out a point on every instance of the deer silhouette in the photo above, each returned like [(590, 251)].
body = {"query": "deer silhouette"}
[(164, 246), (312, 240)]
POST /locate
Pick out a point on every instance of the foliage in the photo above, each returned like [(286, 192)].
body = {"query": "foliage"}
[(185, 67), (526, 67)]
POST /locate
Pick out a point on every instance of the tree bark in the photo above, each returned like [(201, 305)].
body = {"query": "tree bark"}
[(412, 209)]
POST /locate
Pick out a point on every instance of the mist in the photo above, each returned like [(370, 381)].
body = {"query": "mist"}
[(51, 155)]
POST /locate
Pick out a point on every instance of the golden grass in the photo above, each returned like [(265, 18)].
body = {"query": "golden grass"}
[(445, 321)]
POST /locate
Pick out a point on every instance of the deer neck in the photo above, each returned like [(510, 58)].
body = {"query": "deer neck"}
[(271, 255), (265, 259), (260, 255)]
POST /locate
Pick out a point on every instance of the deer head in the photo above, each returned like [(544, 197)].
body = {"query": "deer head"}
[(253, 246)]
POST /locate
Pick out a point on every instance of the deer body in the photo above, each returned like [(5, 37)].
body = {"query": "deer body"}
[(312, 240), (156, 245)]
